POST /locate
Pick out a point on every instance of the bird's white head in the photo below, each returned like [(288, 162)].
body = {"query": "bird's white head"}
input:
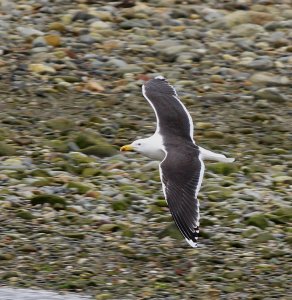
[(140, 146), (150, 147)]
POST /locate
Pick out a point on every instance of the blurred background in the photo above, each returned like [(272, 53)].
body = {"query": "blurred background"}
[(76, 215)]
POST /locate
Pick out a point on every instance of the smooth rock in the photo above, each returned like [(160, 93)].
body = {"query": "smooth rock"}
[(171, 53), (41, 69), (261, 64), (272, 94), (278, 25), (117, 62), (99, 25), (130, 68), (160, 45), (241, 17), (265, 78), (248, 30), (39, 42), (28, 31), (82, 16), (129, 24)]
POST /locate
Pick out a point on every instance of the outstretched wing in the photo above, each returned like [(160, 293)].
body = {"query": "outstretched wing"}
[(181, 175), (171, 115), (182, 169)]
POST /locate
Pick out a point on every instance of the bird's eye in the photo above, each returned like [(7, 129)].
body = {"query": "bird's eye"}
[(139, 144)]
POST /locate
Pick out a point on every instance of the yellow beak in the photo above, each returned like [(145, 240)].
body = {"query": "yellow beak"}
[(127, 148)]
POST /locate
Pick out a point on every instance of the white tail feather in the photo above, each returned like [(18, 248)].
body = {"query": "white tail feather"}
[(207, 154)]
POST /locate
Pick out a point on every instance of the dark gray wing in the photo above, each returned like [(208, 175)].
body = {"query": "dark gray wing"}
[(172, 116), (181, 174)]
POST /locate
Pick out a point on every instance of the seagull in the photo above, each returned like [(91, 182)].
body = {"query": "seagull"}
[(181, 159)]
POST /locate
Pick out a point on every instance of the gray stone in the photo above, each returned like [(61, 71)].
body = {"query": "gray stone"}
[(4, 25), (36, 294), (160, 45), (117, 62), (248, 30), (278, 24), (100, 25), (243, 17), (235, 18), (130, 68), (261, 64), (82, 16), (28, 31), (265, 78), (171, 53), (129, 24), (271, 94), (212, 15), (87, 39), (262, 103), (287, 13), (39, 42)]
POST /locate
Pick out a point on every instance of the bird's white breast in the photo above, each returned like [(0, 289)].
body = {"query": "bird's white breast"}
[(153, 148)]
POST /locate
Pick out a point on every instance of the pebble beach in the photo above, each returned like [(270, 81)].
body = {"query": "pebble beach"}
[(79, 216)]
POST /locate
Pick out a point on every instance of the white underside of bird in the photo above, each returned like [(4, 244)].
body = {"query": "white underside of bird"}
[(152, 147)]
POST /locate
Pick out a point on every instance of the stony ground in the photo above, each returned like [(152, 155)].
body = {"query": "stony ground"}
[(77, 215)]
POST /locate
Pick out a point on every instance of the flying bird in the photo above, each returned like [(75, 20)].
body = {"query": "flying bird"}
[(181, 160)]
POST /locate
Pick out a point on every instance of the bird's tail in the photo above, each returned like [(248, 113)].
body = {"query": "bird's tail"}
[(209, 155), (226, 159)]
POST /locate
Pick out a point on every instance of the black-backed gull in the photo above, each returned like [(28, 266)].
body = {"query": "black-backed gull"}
[(182, 167)]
